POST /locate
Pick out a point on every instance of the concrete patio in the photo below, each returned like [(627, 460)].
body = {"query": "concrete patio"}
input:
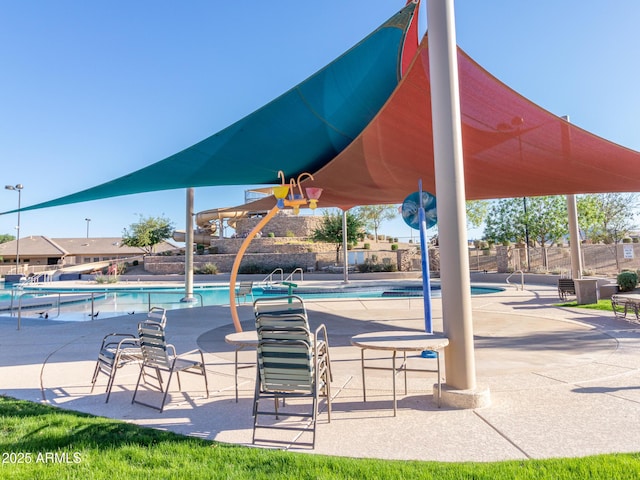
[(563, 382)]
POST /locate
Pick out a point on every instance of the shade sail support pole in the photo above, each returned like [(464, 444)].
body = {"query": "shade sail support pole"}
[(188, 249), (574, 226), (236, 265), (450, 190), (345, 253)]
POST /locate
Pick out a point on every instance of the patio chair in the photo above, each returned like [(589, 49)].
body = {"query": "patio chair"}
[(288, 311), (120, 349), (289, 366), (158, 315), (159, 356), (285, 305), (116, 351), (245, 289)]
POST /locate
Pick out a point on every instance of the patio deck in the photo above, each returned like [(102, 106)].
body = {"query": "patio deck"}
[(563, 382)]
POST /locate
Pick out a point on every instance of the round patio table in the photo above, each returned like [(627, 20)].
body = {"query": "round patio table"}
[(242, 340), (400, 341)]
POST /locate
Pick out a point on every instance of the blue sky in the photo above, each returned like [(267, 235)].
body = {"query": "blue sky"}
[(93, 90)]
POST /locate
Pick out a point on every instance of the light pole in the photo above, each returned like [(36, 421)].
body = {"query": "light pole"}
[(17, 188), (87, 220)]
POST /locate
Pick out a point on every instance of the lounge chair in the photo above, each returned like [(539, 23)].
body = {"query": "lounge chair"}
[(120, 349), (160, 356), (290, 367), (245, 289)]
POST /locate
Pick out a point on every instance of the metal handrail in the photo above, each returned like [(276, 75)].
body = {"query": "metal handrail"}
[(93, 293), (521, 279), (35, 278), (290, 277), (268, 280)]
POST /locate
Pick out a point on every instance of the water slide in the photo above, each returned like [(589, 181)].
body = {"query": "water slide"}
[(210, 221)]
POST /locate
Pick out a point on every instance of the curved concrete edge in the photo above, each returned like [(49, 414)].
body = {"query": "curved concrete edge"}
[(478, 397)]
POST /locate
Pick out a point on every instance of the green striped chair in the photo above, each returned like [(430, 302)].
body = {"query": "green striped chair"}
[(160, 356), (289, 311), (290, 366), (287, 305)]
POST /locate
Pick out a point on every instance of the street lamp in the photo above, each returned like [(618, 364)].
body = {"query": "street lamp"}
[(87, 220), (17, 188)]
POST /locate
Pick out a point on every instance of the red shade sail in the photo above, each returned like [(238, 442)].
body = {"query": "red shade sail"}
[(512, 147)]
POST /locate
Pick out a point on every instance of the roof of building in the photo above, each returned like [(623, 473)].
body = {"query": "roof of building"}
[(38, 245)]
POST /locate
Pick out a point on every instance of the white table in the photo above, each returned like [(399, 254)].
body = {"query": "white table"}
[(242, 340), (399, 341)]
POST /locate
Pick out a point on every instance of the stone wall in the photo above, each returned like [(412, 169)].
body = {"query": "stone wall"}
[(269, 245), (284, 224), (175, 264), (308, 261)]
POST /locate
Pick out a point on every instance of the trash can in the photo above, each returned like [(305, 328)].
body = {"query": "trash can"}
[(586, 291)]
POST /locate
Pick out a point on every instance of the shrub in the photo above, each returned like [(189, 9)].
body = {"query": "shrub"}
[(626, 240), (207, 269), (394, 246), (627, 281), (368, 267), (271, 235), (367, 246)]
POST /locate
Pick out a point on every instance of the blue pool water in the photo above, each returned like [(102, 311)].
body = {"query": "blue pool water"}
[(114, 301)]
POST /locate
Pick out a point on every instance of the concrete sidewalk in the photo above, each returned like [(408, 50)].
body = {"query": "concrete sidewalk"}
[(563, 382)]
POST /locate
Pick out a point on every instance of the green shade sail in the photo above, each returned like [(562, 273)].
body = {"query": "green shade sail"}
[(300, 131)]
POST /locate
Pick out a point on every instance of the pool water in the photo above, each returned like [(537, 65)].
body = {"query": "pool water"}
[(110, 302)]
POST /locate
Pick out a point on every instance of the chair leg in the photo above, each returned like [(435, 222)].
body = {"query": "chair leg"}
[(166, 392), (95, 375), (112, 378), (135, 392), (206, 382)]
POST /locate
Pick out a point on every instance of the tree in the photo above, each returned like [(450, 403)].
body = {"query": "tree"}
[(477, 211), (5, 237), (545, 220), (373, 216), (147, 233), (330, 230), (505, 221), (607, 217)]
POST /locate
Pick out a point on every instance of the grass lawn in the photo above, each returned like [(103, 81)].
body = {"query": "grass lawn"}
[(603, 304), (38, 441)]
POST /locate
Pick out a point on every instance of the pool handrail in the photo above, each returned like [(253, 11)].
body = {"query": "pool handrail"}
[(88, 291), (290, 276), (521, 280), (268, 280)]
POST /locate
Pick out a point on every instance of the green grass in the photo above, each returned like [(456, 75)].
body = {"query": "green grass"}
[(604, 305), (55, 444)]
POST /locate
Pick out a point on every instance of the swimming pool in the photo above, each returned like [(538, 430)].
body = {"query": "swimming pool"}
[(82, 303)]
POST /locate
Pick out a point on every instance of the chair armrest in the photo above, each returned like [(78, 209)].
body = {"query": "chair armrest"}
[(116, 339), (191, 352)]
